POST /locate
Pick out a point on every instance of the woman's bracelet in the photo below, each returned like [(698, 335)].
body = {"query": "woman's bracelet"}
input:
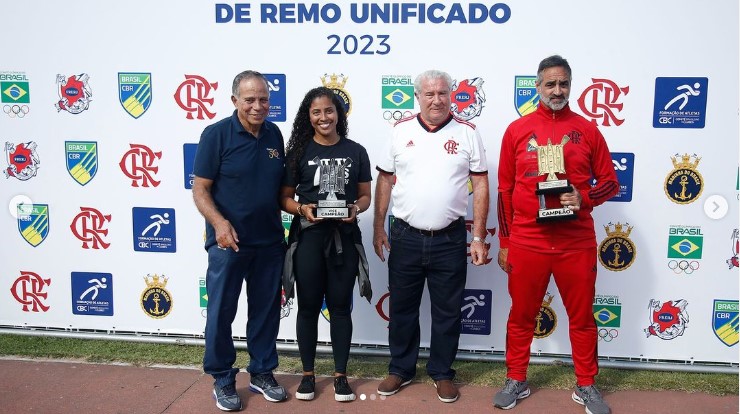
[(300, 210)]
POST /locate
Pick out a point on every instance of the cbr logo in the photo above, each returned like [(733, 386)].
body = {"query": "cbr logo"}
[(138, 165), (665, 120), (28, 289), (194, 96), (88, 225)]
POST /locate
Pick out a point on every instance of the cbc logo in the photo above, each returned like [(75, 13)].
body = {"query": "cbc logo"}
[(665, 120), (82, 308), (144, 245)]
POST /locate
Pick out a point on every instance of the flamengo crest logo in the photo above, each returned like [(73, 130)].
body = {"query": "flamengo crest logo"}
[(451, 147), (74, 93), (23, 160), (194, 96), (138, 165), (88, 227), (28, 290), (601, 102), (467, 98)]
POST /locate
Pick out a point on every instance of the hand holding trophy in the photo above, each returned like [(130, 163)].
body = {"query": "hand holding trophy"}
[(550, 160)]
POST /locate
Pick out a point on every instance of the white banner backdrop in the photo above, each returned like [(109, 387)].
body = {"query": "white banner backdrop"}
[(103, 104)]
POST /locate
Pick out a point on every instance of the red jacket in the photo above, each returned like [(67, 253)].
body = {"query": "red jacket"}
[(586, 155)]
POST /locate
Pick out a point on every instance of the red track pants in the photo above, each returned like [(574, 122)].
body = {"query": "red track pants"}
[(575, 276)]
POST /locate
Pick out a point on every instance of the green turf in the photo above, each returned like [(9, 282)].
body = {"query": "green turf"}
[(489, 374)]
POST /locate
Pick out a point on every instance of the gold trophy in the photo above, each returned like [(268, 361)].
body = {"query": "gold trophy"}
[(331, 173), (550, 160)]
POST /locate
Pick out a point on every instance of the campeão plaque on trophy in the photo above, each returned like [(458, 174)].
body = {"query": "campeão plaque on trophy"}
[(550, 160), (331, 176)]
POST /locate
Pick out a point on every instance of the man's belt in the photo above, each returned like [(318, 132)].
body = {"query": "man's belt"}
[(431, 233)]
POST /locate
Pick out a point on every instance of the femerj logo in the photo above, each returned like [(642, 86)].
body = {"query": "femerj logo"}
[(526, 97), (33, 222), (725, 321), (735, 248), (23, 160), (194, 97), (154, 229), (467, 98), (616, 251), (135, 92), (546, 320), (684, 248), (82, 160), (15, 94), (29, 289), (624, 165), (475, 312), (601, 102), (286, 305), (92, 293), (608, 316), (336, 83), (277, 84), (680, 102), (156, 301), (684, 184), (138, 164), (74, 92), (188, 158), (668, 320)]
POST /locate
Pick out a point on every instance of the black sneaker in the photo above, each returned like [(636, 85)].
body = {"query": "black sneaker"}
[(226, 398), (342, 390), (307, 388), (266, 385), (512, 392), (591, 398)]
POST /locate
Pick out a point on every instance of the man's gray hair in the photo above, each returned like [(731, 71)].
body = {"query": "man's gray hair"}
[(247, 74), (430, 75), (554, 61)]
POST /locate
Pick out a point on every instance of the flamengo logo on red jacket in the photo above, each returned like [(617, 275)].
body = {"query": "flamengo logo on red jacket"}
[(88, 227), (138, 165), (28, 290), (601, 102), (194, 96)]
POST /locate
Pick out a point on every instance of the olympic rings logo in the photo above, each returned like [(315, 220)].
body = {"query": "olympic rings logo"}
[(16, 110), (394, 116), (608, 335), (684, 266)]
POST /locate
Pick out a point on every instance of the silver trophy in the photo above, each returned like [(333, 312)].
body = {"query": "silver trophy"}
[(331, 182), (550, 160)]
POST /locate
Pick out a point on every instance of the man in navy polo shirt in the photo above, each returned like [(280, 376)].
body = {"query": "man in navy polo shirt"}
[(238, 169)]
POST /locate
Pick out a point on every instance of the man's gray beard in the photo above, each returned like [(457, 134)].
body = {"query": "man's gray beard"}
[(555, 107)]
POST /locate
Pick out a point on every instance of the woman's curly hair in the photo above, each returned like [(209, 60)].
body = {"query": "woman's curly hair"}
[(303, 131)]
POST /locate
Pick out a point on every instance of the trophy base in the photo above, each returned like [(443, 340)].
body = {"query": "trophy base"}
[(332, 209), (555, 214), (553, 187), (332, 212)]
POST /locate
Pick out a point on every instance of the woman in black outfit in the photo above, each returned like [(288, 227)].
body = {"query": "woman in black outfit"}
[(321, 160)]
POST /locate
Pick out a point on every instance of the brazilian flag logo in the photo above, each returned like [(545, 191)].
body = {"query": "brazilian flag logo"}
[(33, 222), (135, 92), (82, 160)]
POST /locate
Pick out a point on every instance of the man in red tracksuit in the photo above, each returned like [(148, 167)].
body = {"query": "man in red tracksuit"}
[(531, 251)]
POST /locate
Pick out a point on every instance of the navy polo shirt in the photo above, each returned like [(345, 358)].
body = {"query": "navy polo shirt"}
[(246, 173)]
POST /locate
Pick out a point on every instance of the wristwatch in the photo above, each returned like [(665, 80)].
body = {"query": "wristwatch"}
[(478, 239)]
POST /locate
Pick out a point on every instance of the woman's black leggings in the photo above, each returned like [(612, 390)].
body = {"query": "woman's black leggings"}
[(317, 277)]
